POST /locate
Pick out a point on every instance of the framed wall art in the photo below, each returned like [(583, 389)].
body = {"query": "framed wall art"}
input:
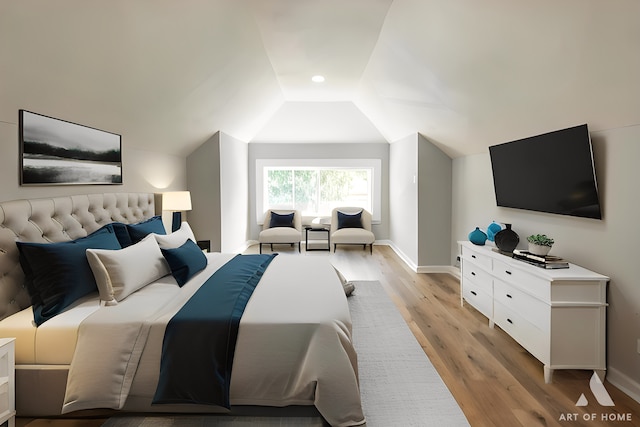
[(57, 152)]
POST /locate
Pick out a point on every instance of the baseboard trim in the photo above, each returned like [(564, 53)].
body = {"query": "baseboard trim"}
[(624, 383), (449, 269), (402, 256)]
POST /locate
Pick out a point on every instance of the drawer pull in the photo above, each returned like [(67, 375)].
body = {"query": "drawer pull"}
[(509, 296), (474, 293), (473, 273), (473, 256), (508, 272), (510, 321)]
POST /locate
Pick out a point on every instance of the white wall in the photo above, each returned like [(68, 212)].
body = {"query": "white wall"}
[(142, 171), (234, 193), (403, 198), (608, 246)]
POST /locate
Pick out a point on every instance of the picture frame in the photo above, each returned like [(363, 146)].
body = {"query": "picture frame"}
[(58, 152)]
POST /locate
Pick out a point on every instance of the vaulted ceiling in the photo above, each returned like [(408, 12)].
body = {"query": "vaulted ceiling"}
[(466, 74)]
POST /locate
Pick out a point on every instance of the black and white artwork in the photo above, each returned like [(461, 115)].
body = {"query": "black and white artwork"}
[(57, 152)]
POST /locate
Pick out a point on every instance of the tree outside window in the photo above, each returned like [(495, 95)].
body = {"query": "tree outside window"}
[(316, 191)]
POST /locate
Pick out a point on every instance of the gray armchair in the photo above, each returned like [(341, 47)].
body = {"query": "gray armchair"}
[(351, 226), (281, 227)]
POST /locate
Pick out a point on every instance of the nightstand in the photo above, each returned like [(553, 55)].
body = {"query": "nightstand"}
[(205, 245), (7, 382)]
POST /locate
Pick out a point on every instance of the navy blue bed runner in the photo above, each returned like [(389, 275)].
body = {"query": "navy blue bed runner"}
[(200, 340)]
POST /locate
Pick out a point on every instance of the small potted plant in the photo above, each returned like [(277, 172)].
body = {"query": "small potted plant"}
[(539, 244)]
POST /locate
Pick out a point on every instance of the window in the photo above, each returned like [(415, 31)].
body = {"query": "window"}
[(315, 187)]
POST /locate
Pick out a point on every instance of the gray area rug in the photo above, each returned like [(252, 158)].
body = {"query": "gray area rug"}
[(399, 385)]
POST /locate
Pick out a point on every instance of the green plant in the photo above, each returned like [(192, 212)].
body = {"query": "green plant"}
[(540, 239)]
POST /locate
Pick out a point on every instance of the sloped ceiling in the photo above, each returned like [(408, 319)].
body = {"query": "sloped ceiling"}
[(466, 74)]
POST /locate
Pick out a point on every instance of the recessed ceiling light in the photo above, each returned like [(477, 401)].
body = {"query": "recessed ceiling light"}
[(317, 79)]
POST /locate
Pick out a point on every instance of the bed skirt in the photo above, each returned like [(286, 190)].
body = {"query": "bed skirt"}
[(54, 381)]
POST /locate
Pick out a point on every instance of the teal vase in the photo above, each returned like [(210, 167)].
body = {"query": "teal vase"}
[(492, 229), (477, 237)]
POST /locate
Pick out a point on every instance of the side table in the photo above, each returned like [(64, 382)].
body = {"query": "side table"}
[(325, 240), (205, 245)]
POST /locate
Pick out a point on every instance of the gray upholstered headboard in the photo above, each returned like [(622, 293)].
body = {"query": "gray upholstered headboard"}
[(55, 220)]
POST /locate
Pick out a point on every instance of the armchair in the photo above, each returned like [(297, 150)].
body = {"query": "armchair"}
[(281, 227), (351, 226)]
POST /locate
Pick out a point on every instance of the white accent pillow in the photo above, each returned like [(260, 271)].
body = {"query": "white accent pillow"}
[(119, 273), (177, 238)]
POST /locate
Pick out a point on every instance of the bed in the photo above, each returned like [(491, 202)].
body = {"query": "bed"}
[(293, 346)]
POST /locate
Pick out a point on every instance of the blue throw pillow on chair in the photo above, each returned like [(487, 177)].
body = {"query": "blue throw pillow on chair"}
[(281, 220), (349, 220)]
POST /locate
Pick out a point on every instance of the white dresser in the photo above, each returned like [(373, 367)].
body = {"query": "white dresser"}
[(558, 315)]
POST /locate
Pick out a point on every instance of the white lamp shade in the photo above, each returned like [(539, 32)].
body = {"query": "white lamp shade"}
[(176, 201)]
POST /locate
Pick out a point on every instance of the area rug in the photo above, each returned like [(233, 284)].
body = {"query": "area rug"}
[(399, 385)]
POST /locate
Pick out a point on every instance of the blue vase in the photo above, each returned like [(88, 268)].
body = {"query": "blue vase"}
[(477, 237), (492, 229)]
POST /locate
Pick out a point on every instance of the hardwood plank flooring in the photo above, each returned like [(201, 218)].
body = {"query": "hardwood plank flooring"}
[(494, 380)]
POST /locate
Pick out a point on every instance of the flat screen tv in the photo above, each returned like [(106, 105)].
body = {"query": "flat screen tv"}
[(552, 172)]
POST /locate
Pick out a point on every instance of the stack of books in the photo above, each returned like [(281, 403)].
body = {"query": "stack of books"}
[(546, 261)]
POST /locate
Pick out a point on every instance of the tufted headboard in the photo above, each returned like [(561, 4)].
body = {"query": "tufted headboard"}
[(55, 220)]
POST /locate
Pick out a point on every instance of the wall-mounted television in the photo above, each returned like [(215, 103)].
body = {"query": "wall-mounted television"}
[(552, 172)]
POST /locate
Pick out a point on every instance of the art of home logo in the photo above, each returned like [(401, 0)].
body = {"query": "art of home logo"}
[(603, 398)]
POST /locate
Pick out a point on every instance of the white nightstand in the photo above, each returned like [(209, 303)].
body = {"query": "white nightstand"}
[(7, 382)]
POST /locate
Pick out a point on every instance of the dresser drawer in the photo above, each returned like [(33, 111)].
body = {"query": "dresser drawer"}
[(533, 339), (477, 257), (483, 279), (534, 285), (531, 309), (478, 299)]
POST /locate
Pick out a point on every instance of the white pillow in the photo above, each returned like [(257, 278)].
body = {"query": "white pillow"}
[(121, 272), (177, 238)]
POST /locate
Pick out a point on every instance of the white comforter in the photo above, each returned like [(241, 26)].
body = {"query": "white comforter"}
[(294, 344)]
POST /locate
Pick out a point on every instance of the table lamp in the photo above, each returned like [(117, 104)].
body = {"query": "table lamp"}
[(176, 201)]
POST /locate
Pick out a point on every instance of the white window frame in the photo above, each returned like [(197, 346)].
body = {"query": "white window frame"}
[(374, 164)]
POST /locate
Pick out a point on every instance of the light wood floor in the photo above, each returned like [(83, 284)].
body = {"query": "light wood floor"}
[(494, 380)]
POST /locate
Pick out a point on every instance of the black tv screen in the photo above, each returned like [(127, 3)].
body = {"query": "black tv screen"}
[(552, 172)]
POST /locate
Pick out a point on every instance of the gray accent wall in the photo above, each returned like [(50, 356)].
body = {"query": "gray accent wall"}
[(203, 181), (420, 203), (608, 246), (217, 177), (434, 206)]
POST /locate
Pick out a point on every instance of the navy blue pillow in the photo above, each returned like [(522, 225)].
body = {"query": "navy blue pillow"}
[(349, 220), (185, 261), (122, 233), (140, 230), (58, 274), (281, 220)]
